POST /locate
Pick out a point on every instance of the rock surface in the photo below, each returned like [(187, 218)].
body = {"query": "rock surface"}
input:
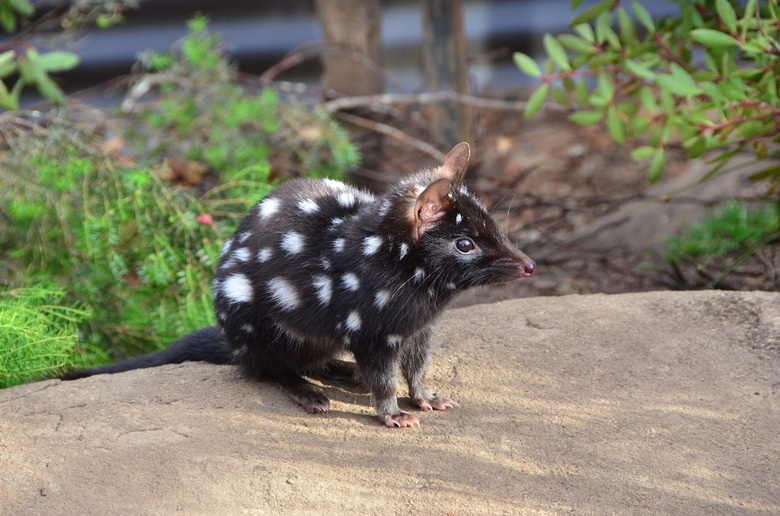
[(651, 403)]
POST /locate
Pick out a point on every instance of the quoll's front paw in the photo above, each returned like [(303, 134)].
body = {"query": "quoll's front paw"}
[(400, 420), (436, 402)]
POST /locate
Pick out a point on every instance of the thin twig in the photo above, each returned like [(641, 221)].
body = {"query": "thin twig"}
[(393, 133), (422, 98)]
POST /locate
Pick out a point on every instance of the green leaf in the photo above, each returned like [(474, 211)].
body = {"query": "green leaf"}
[(639, 69), (527, 64), (647, 98), (656, 166), (627, 29), (58, 61), (591, 13), (536, 100), (7, 18), (678, 85), (581, 93), (556, 52), (7, 101), (586, 117), (767, 173), (559, 96), (615, 126), (643, 16), (576, 43), (713, 38), (49, 89), (23, 7), (605, 85), (697, 147), (586, 31), (641, 153), (7, 63), (603, 24), (727, 15)]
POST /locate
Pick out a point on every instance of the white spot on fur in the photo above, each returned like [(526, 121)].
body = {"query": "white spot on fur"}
[(325, 263), (338, 245), (268, 207), (350, 281), (404, 250), (384, 208), (354, 321), (228, 264), (334, 185), (346, 340), (381, 298), (431, 292), (244, 236), (371, 245), (283, 293), (264, 254), (237, 288), (394, 340), (451, 285), (324, 287), (347, 199), (241, 254), (336, 222), (221, 316), (419, 274), (308, 205), (292, 242), (458, 218), (226, 246), (248, 328)]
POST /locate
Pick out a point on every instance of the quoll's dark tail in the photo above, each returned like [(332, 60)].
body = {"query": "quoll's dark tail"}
[(204, 345)]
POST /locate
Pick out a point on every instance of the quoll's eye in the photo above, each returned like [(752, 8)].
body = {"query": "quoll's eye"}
[(464, 245)]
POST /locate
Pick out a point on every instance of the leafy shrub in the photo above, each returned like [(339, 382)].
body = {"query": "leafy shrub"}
[(706, 78), (201, 113), (38, 334), (120, 240)]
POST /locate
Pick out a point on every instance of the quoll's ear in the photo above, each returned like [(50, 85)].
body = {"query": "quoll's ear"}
[(431, 205), (455, 163)]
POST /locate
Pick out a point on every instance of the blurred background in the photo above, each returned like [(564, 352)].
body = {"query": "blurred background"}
[(260, 33)]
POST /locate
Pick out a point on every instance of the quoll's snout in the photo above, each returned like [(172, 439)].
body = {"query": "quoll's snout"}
[(529, 266)]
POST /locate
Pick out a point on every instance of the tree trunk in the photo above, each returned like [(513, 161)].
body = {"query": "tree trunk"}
[(444, 53), (350, 30)]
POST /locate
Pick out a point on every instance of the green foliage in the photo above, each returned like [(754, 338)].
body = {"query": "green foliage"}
[(705, 79), (733, 228), (33, 68), (203, 114), (120, 240), (38, 333)]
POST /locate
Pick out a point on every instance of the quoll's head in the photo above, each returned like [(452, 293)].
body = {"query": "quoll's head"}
[(461, 238)]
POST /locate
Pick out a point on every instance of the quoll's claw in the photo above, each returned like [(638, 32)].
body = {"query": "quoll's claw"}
[(436, 403), (402, 420)]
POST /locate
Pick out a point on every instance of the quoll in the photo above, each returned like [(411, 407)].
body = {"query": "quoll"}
[(319, 268)]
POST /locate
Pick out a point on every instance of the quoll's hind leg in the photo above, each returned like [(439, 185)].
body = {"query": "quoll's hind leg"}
[(414, 362), (263, 363), (379, 368)]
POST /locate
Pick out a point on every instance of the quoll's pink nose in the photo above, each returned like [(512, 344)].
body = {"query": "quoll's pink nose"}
[(530, 266)]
